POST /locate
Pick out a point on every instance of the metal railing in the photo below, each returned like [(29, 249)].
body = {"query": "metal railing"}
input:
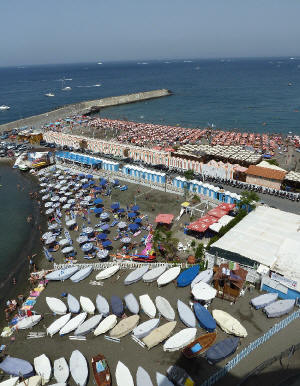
[(247, 350)]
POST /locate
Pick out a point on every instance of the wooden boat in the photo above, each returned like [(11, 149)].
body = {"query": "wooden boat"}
[(199, 345), (101, 370)]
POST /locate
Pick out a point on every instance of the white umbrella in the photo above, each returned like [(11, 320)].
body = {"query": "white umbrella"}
[(71, 201), (43, 190), (122, 224), (67, 249), (61, 177), (49, 211), (104, 215), (50, 240), (203, 291), (57, 186), (53, 226), (64, 242), (102, 254), (87, 247), (126, 240), (66, 206), (63, 199), (78, 195), (43, 184), (88, 230), (47, 235), (55, 198), (70, 223), (84, 180), (82, 239), (56, 205), (68, 194)]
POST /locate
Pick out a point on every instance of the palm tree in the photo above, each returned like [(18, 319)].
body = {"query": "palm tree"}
[(167, 241)]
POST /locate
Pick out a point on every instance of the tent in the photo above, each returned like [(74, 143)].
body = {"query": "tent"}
[(164, 218)]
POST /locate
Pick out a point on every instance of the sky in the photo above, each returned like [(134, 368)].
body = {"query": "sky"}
[(72, 31)]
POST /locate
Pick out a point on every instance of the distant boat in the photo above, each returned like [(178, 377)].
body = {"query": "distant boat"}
[(99, 63), (4, 107), (66, 88), (290, 84), (49, 94), (97, 85)]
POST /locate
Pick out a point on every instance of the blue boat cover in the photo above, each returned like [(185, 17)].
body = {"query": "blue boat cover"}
[(17, 367), (205, 318), (187, 276), (222, 349), (116, 305)]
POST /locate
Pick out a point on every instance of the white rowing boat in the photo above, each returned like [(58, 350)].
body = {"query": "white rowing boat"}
[(107, 324), (147, 305), (88, 325), (168, 276), (154, 274), (136, 275), (186, 315), (123, 375), (180, 340), (145, 328), (73, 323), (132, 304), (79, 368), (143, 378), (61, 370), (108, 272), (164, 308), (87, 305), (58, 324), (28, 322), (56, 305), (42, 366)]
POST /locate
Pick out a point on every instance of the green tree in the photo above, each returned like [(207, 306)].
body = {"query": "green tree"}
[(273, 162), (189, 174), (248, 199), (165, 239)]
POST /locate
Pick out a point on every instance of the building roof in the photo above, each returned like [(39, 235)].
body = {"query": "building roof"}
[(164, 218), (293, 176), (267, 236), (265, 164), (266, 173)]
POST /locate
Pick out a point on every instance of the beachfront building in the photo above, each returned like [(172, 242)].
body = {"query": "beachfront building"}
[(92, 162), (265, 176), (137, 172), (33, 137), (268, 241)]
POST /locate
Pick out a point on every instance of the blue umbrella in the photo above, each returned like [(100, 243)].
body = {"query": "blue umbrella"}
[(81, 175), (115, 205), (89, 176), (98, 210), (138, 220), (116, 182), (85, 186), (121, 210), (135, 208), (106, 243), (102, 182), (97, 188), (92, 182), (132, 214), (133, 227), (105, 227), (102, 236), (98, 201)]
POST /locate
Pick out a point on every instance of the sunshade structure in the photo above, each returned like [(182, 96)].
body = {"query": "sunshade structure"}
[(53, 226), (88, 230), (70, 223), (105, 227), (217, 212), (102, 236), (135, 208), (47, 235), (138, 220), (132, 214), (98, 201), (106, 243), (64, 242), (226, 206), (115, 206), (49, 211), (98, 210), (164, 218), (50, 240), (104, 215), (202, 224), (102, 254), (133, 227)]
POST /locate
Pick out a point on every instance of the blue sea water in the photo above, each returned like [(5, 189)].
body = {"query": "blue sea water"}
[(249, 94)]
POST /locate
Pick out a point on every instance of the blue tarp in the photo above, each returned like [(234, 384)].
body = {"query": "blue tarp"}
[(204, 317), (222, 349)]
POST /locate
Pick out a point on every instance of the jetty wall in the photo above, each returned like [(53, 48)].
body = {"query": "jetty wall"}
[(86, 107)]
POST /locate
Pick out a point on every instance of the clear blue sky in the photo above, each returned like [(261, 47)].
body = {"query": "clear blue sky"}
[(61, 31)]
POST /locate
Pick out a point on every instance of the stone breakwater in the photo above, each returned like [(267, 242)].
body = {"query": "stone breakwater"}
[(85, 108)]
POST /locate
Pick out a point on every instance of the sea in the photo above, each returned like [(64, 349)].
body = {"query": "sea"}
[(261, 95), (257, 95)]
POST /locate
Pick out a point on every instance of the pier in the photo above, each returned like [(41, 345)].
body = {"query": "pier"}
[(85, 108)]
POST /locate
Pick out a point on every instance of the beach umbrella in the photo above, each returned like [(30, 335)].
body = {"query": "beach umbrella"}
[(63, 199), (104, 215), (115, 205), (84, 180), (67, 249), (106, 243), (78, 195), (43, 191), (91, 182), (64, 188), (55, 198), (47, 235), (66, 206), (126, 240), (78, 185), (82, 239), (56, 205), (43, 184), (138, 220), (98, 210), (64, 242), (50, 185), (103, 182), (89, 176), (48, 204), (105, 227), (132, 214), (102, 236), (53, 226), (122, 225), (68, 194), (50, 240), (88, 230), (98, 201), (102, 254), (49, 211), (87, 247), (70, 223), (71, 201), (133, 227), (135, 208), (45, 197), (97, 188), (116, 182), (85, 186), (121, 210)]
